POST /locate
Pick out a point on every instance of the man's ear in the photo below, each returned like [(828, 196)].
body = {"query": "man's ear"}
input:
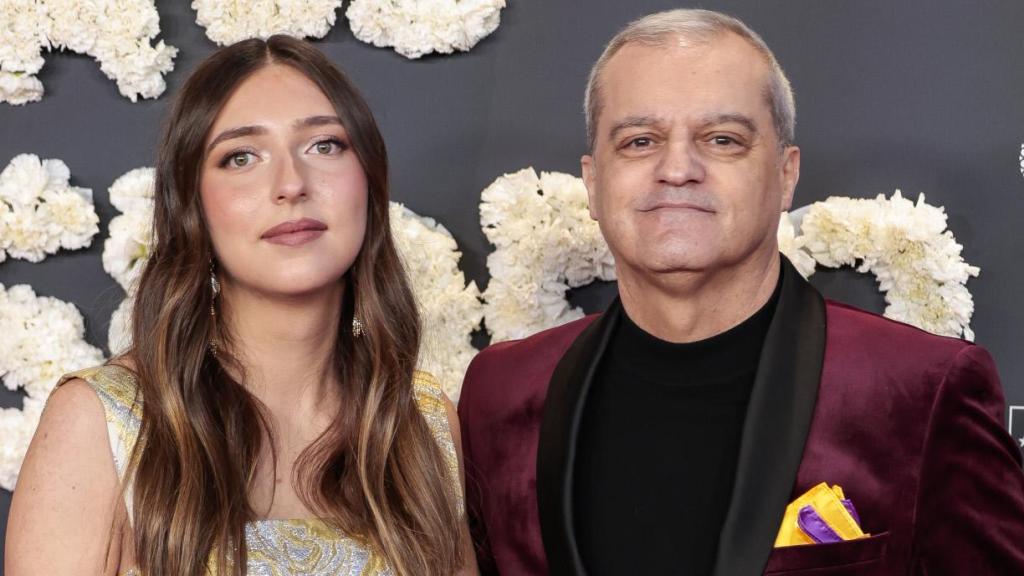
[(589, 176), (790, 175)]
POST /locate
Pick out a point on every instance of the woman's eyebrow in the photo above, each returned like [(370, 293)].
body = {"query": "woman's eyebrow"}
[(238, 132), (242, 131), (317, 121)]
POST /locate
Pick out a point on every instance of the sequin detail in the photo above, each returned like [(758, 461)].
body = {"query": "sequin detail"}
[(275, 547)]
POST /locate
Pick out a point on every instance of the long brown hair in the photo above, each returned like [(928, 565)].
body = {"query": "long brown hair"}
[(377, 472)]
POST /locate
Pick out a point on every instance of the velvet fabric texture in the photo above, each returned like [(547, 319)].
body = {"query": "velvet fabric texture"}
[(909, 424)]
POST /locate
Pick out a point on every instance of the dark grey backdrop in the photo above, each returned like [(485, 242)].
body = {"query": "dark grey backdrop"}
[(923, 96)]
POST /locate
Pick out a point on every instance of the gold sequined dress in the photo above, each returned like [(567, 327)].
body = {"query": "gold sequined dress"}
[(275, 547)]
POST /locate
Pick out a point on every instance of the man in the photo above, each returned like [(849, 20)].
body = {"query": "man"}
[(668, 435)]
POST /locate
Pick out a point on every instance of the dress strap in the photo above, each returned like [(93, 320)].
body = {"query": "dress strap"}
[(431, 402)]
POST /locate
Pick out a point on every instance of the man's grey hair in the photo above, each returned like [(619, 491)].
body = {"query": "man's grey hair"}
[(691, 27)]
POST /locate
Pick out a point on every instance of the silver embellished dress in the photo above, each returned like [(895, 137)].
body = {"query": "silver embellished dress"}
[(275, 547)]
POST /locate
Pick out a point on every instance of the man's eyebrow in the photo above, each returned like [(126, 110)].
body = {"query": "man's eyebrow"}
[(741, 119), (238, 132), (633, 122)]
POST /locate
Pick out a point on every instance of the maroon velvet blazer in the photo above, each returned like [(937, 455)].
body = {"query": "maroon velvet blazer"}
[(909, 424)]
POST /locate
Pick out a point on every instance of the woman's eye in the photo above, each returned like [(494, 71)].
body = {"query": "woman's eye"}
[(325, 147), (238, 160)]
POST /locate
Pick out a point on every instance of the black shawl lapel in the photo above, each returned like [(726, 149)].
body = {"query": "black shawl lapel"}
[(556, 452), (776, 428)]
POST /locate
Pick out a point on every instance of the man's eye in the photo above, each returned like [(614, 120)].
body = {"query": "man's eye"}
[(723, 140), (641, 142)]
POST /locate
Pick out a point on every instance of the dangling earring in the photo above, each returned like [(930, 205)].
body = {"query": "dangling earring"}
[(214, 284), (357, 327), (215, 291)]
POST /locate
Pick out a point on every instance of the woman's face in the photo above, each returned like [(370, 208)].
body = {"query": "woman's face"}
[(284, 195)]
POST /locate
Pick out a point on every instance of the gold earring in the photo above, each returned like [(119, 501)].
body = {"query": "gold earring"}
[(357, 327)]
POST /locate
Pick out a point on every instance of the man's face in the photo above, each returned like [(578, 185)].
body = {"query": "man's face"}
[(687, 173)]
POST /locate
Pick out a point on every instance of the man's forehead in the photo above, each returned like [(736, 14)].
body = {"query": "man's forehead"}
[(727, 55), (726, 75)]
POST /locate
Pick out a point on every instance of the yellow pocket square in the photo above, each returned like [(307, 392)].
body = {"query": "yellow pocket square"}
[(819, 516)]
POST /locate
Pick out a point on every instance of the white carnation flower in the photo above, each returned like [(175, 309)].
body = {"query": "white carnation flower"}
[(418, 27), (917, 262), (119, 334), (131, 233), (545, 242), (17, 426), (117, 33), (41, 338), (41, 212), (23, 28), (450, 309), (792, 246), (230, 21), (133, 190), (128, 246), (19, 88)]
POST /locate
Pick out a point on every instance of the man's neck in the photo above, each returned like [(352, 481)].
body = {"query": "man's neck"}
[(691, 306)]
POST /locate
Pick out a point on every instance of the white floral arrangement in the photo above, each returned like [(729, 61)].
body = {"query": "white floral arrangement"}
[(792, 246), (418, 27), (131, 232), (119, 333), (449, 307), (23, 28), (128, 246), (545, 243), (40, 212), (41, 338), (230, 21), (1021, 159), (117, 33), (906, 245)]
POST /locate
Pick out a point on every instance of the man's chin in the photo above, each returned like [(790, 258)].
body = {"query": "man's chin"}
[(671, 259)]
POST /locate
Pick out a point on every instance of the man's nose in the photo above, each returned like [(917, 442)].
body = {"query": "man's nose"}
[(289, 180), (680, 164)]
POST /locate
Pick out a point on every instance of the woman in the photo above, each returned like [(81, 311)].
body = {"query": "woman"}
[(269, 415)]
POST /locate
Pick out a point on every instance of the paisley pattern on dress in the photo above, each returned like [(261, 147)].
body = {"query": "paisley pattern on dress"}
[(275, 547)]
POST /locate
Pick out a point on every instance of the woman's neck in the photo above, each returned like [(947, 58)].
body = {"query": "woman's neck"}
[(285, 346)]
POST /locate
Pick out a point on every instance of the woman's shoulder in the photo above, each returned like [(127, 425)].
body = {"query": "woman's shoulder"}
[(117, 388), (66, 486), (114, 383)]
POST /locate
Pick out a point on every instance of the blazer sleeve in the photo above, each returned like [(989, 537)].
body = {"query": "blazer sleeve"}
[(474, 481), (970, 508)]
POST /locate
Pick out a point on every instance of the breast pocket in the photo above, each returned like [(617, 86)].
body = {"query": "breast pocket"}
[(850, 558)]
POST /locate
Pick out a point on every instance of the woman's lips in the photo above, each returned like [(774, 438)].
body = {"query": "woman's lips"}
[(295, 232)]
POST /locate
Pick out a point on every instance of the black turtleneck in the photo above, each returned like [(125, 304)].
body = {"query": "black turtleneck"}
[(658, 445)]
